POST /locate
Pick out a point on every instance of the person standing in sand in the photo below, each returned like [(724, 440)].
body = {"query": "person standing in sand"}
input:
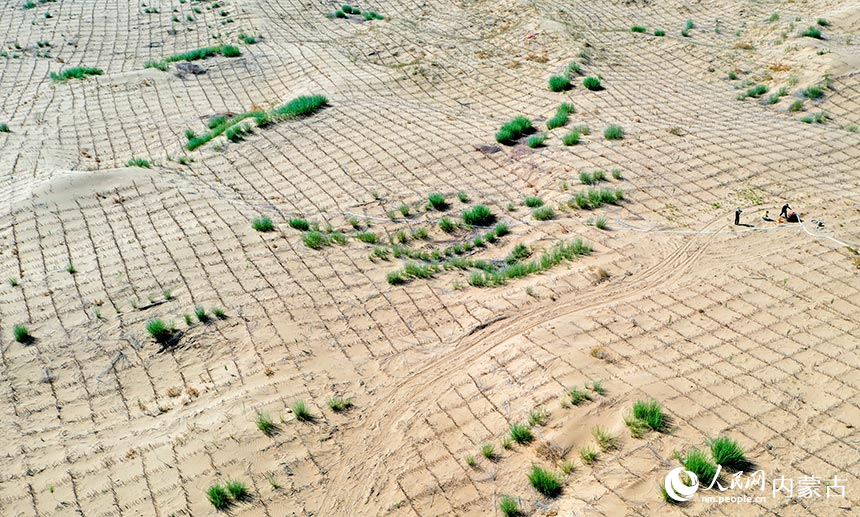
[(785, 209), (738, 216)]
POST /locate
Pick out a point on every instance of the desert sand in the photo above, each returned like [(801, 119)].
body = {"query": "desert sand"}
[(749, 332)]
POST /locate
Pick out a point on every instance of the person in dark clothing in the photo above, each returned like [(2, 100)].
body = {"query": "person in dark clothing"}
[(738, 216), (784, 212)]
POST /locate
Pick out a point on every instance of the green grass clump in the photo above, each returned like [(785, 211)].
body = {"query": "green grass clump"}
[(588, 455), (263, 224), (299, 224), (219, 313), (559, 83), (823, 22), (22, 334), (509, 506), (446, 225), (538, 417), (513, 130), (368, 237), (194, 55), (561, 116), (536, 141), (4, 128), (478, 215), (571, 138), (78, 72), (813, 92), (315, 239), (521, 433), (544, 481), (437, 201), (728, 453), (372, 15), (699, 464), (200, 314), (160, 331), (650, 413), (519, 253), (613, 132), (578, 396), (638, 28), (138, 162), (218, 496), (558, 253), (488, 451), (796, 106), (238, 490), (756, 91), (592, 83), (339, 404), (158, 65), (266, 424), (302, 106), (811, 32), (533, 201), (230, 51), (301, 411), (659, 33), (501, 230), (28, 5), (605, 439), (601, 223), (543, 213)]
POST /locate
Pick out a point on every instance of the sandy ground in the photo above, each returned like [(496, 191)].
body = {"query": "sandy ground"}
[(749, 332)]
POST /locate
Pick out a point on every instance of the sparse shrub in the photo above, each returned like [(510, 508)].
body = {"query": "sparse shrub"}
[(22, 334), (544, 481), (559, 83), (536, 141), (538, 416), (479, 215), (599, 176), (605, 439), (78, 72), (638, 28), (578, 396), (463, 197), (533, 201), (301, 411), (813, 92), (699, 464), (519, 253), (158, 65), (160, 331), (263, 224), (650, 412), (586, 178), (501, 230), (470, 461), (509, 506), (299, 224), (616, 173), (573, 68), (796, 106), (728, 453), (600, 223), (446, 225), (613, 132), (811, 32), (521, 433), (315, 239), (571, 138), (339, 404), (218, 496), (238, 490), (592, 83), (588, 455), (543, 213), (598, 388), (368, 237), (404, 210), (437, 201), (266, 424), (513, 130), (488, 451)]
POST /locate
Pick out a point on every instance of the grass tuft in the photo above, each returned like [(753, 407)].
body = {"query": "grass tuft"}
[(263, 224), (538, 416), (513, 130), (509, 506), (299, 224), (543, 213), (533, 201), (339, 404), (592, 83), (812, 32), (650, 412), (588, 455), (78, 72), (578, 396), (699, 464), (605, 439), (218, 496), (571, 138), (238, 490), (536, 141), (521, 433), (22, 334), (301, 411), (561, 116), (559, 83), (266, 424), (437, 201), (728, 453), (544, 481), (613, 132), (488, 451), (638, 28), (160, 331), (478, 215)]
